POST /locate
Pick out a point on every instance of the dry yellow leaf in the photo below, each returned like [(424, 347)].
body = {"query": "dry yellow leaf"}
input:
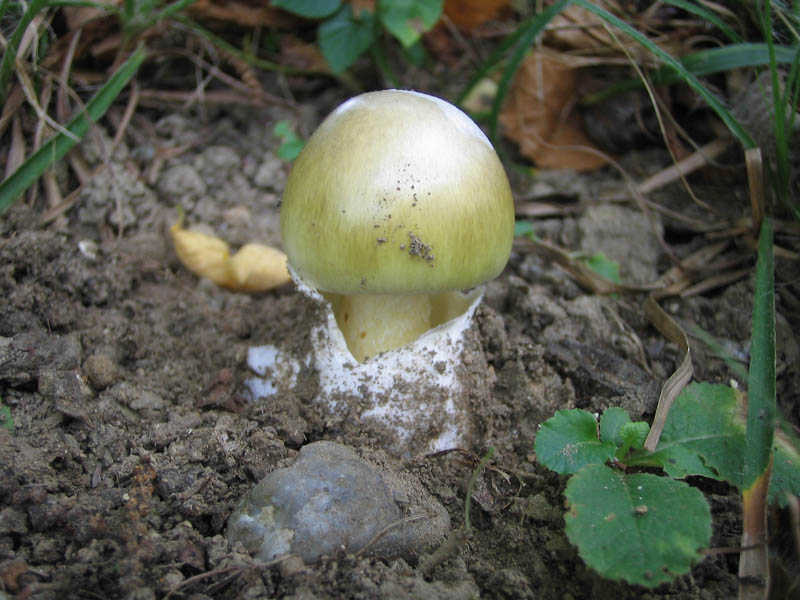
[(254, 268)]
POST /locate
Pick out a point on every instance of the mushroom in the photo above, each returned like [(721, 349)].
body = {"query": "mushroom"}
[(396, 204)]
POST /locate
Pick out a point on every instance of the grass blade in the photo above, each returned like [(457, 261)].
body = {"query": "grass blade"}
[(706, 15), (58, 145), (494, 59), (730, 122), (535, 26), (10, 55), (705, 62)]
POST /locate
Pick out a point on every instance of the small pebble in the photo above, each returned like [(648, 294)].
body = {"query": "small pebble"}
[(101, 371)]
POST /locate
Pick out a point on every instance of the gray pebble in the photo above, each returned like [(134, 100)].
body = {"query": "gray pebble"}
[(330, 500)]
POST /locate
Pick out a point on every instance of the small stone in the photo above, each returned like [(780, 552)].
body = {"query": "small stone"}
[(13, 520), (147, 400), (331, 499), (100, 370), (25, 354), (66, 387), (47, 551), (182, 180), (539, 509), (270, 174), (220, 158), (292, 567)]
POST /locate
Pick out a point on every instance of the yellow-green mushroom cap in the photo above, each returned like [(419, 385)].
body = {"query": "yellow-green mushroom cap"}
[(397, 192)]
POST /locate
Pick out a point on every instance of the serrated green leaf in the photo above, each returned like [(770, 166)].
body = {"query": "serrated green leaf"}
[(342, 38), (634, 434), (702, 436), (641, 528), (568, 441), (407, 20), (310, 9), (611, 424), (603, 266)]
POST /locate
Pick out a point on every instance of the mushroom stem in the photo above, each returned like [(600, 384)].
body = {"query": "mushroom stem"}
[(375, 323)]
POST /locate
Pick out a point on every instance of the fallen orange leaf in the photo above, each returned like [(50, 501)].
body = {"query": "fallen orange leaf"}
[(471, 13), (541, 117)]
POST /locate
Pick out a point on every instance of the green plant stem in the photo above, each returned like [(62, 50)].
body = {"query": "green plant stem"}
[(761, 381), (471, 486), (383, 65)]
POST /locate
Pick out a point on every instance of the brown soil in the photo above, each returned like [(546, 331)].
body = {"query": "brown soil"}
[(132, 440)]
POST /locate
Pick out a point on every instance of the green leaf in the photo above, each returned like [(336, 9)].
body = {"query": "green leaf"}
[(524, 229), (611, 423), (342, 39), (604, 267), (290, 149), (52, 150), (641, 528), (291, 143), (407, 20), (761, 383), (702, 435), (310, 9), (568, 441), (634, 434), (705, 435)]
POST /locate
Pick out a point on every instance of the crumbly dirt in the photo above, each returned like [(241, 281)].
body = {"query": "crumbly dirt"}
[(132, 440)]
